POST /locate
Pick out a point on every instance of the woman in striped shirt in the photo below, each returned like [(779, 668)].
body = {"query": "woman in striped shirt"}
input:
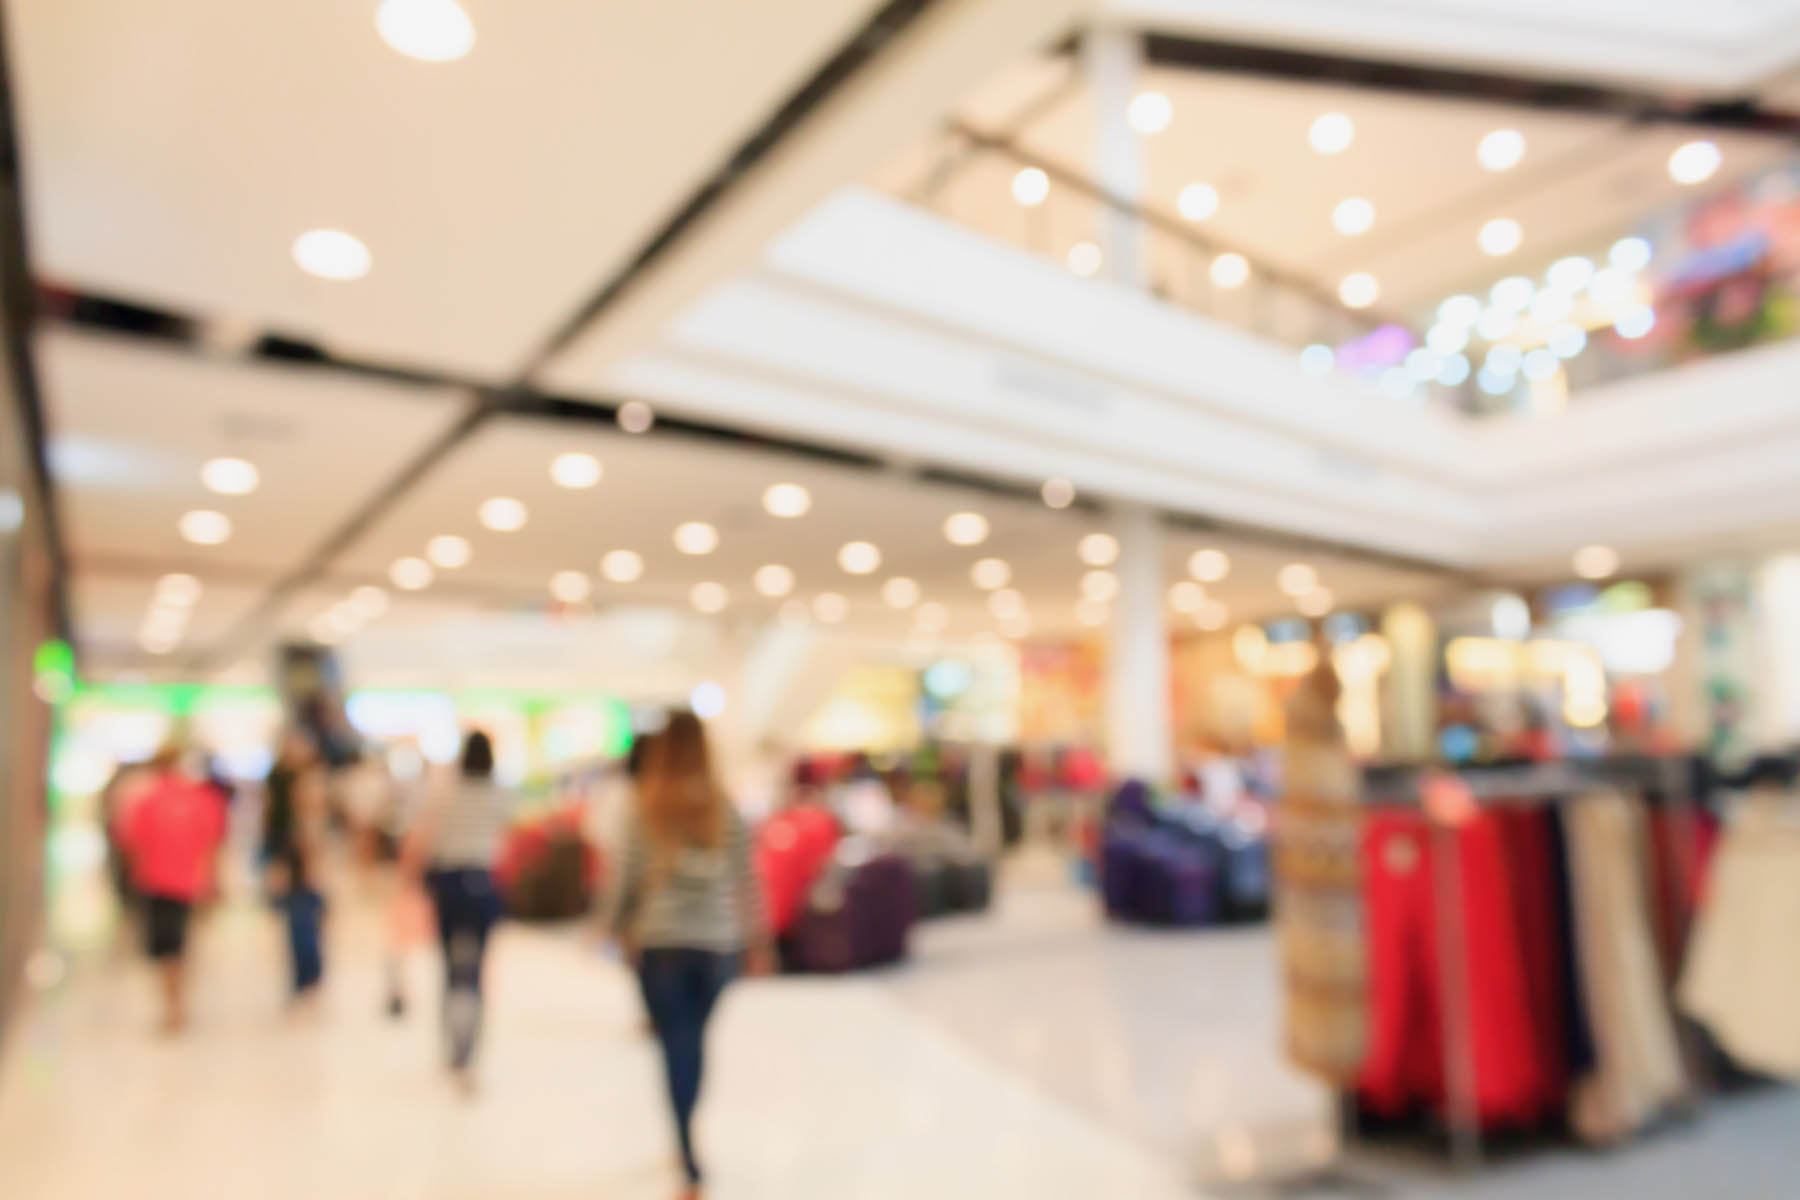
[(461, 836), (688, 911)]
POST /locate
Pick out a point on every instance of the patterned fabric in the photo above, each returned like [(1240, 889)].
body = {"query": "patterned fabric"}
[(693, 897), (470, 825)]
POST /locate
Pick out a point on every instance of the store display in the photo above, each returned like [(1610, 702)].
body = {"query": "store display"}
[(546, 870), (858, 914)]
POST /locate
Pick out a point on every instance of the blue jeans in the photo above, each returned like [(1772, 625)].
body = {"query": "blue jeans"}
[(467, 906), (680, 989), (305, 910)]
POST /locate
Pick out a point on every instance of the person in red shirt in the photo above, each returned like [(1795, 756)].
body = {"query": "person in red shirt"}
[(171, 834)]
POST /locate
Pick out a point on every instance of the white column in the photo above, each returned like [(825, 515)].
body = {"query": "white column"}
[(1111, 59), (1138, 727)]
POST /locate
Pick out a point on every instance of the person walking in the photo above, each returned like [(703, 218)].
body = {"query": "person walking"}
[(687, 911), (292, 856), (170, 834), (459, 837)]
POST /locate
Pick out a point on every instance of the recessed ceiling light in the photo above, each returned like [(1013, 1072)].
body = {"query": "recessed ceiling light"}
[(931, 617), (369, 601), (1209, 566), (1571, 274), (622, 566), (1513, 294), (1635, 323), (428, 30), (1098, 549), (1332, 133), (707, 700), (1006, 604), (1353, 216), (1500, 237), (1496, 382), (709, 597), (1057, 492), (1501, 150), (1459, 311), (773, 579), (1230, 270), (1031, 187), (448, 551), (1551, 305), (1318, 359), (990, 573), (1316, 603), (1213, 616), (966, 529), (1455, 370), (502, 514), (332, 254), (1497, 323), (1085, 258), (1297, 579), (344, 618), (1694, 162), (1150, 112), (635, 417), (411, 574), (1187, 596), (1446, 338), (1099, 585), (1505, 358), (324, 630), (230, 476), (177, 588), (1359, 290), (859, 558), (788, 500), (900, 592), (1092, 613), (1611, 287), (575, 470), (830, 607), (204, 527), (571, 587), (1198, 201), (696, 537), (1541, 365), (1596, 562), (1630, 254), (1567, 341)]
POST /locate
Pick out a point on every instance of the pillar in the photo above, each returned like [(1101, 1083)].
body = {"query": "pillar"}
[(1140, 735), (1111, 59)]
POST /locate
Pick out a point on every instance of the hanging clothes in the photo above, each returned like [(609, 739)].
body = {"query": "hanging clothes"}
[(1638, 1073), (1743, 969)]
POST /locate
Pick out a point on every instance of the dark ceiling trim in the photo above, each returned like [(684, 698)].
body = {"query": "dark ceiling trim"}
[(17, 318), (1737, 115)]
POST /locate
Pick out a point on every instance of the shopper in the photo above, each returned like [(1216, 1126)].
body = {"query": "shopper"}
[(459, 838), (293, 858), (687, 911), (170, 835)]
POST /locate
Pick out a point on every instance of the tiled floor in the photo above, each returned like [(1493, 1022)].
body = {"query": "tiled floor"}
[(1034, 1053)]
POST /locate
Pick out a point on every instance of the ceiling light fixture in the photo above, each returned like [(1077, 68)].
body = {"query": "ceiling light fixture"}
[(1353, 216), (1455, 370), (332, 254), (1630, 254), (1332, 133), (1317, 360), (636, 417), (859, 558), (1694, 162), (1297, 579), (1099, 585), (709, 597), (230, 476), (1213, 616), (786, 500), (830, 607), (204, 527), (1447, 338), (1085, 259), (1596, 562), (1209, 566), (1031, 187), (990, 573), (1098, 549), (1150, 112), (1230, 270), (571, 587), (1635, 323), (1057, 492), (1316, 603), (448, 551), (622, 566), (575, 470), (178, 588), (1571, 274), (1513, 294), (1359, 290), (1500, 237), (411, 574), (1459, 311), (1496, 324), (773, 579), (1551, 305), (428, 30), (1006, 604), (1501, 150), (1496, 382), (1198, 201), (1567, 341), (502, 514), (369, 601), (1541, 365), (1187, 596), (900, 592), (966, 529), (696, 537)]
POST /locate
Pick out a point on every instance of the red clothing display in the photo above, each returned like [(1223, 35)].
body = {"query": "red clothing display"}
[(792, 848), (170, 835), (1404, 1068)]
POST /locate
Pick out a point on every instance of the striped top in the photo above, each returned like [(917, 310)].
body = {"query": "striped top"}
[(697, 898), (470, 824)]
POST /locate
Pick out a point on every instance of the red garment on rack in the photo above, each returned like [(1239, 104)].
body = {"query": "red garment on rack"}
[(1681, 851), (1405, 1065), (1536, 887)]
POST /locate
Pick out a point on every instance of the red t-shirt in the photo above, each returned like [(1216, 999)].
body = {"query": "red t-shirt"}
[(171, 833)]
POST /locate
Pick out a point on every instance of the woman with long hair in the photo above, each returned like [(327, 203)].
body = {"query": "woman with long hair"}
[(456, 843), (688, 911), (292, 853)]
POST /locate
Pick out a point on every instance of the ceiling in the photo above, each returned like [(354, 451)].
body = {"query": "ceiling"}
[(1585, 179)]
